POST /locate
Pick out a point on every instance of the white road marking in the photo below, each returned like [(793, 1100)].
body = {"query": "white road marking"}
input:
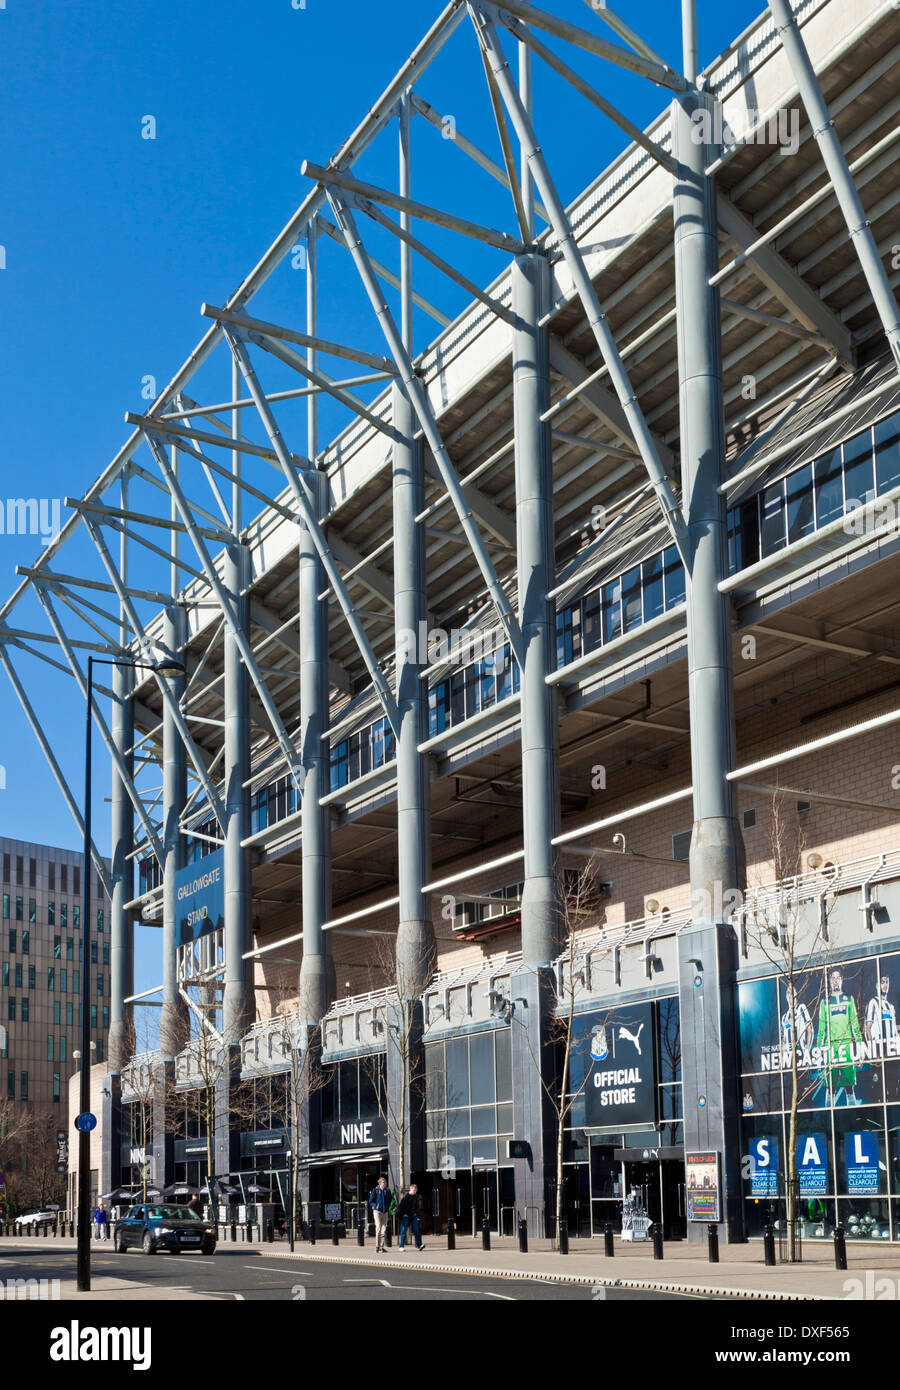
[(273, 1270)]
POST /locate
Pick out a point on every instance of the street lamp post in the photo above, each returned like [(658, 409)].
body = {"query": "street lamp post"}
[(84, 1136)]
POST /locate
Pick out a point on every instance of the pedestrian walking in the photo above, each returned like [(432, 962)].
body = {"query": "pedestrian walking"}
[(408, 1211), (101, 1222), (380, 1201)]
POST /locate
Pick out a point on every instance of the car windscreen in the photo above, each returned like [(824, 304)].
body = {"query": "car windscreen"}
[(173, 1213)]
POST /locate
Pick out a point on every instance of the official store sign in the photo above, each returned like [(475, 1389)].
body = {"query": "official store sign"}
[(621, 1084), (200, 897)]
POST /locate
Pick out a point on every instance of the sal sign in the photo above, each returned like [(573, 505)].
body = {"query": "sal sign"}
[(621, 1082), (200, 897)]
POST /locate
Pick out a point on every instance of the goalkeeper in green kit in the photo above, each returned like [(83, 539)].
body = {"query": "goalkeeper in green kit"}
[(838, 1030)]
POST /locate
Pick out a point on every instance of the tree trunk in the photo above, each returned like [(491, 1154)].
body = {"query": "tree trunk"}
[(792, 1153)]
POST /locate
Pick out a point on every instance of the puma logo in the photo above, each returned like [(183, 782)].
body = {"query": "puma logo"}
[(632, 1037)]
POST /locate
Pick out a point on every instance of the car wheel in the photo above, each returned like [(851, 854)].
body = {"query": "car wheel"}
[(208, 1247), (148, 1244), (121, 1247)]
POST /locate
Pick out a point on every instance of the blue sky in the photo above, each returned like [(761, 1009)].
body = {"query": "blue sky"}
[(112, 241)]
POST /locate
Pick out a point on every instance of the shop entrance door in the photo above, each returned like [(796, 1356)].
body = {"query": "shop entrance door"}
[(673, 1204), (485, 1198), (660, 1184), (643, 1179)]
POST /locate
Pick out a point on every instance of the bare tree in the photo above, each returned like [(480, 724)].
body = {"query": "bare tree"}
[(17, 1125), (201, 1072), (142, 1078), (304, 1075), (42, 1183), (792, 940), (402, 1105), (582, 908)]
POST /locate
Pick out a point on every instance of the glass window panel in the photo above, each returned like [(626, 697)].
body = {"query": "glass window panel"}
[(801, 518), (502, 1053), (673, 573), (484, 1151), (612, 610), (829, 488), (460, 1153), (457, 1123), (457, 1072), (669, 1033), (349, 1074), (481, 1062), (484, 1118), (652, 580), (504, 1119), (591, 625), (859, 483), (632, 608), (887, 453), (773, 532), (434, 1077)]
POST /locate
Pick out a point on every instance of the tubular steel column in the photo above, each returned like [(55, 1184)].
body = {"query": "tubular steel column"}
[(173, 1018), (534, 537), (708, 951), (415, 949), (238, 1010), (121, 944), (316, 966), (541, 916), (415, 935)]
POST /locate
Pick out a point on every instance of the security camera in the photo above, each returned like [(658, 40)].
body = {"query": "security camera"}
[(619, 840)]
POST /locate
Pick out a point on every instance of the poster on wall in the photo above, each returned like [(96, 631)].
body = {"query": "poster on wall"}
[(840, 1023), (763, 1152), (812, 1165), (621, 1083), (861, 1159), (702, 1186)]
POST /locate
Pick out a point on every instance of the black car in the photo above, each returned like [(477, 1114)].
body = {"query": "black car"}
[(166, 1227)]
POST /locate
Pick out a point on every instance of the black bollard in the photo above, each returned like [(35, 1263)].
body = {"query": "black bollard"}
[(563, 1238), (840, 1248), (769, 1244), (608, 1242), (485, 1234), (657, 1236), (451, 1234), (249, 1232), (270, 1230), (712, 1232), (334, 1233), (313, 1231), (361, 1231), (523, 1236), (233, 1231), (387, 1235)]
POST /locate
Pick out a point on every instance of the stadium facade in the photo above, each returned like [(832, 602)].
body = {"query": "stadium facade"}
[(553, 697)]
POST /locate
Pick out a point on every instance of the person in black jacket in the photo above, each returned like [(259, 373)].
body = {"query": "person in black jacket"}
[(381, 1201), (408, 1213)]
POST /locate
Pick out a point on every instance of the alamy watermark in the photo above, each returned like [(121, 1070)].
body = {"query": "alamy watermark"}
[(46, 1290), (753, 127), (31, 516)]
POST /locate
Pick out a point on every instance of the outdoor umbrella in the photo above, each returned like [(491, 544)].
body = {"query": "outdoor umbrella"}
[(181, 1189)]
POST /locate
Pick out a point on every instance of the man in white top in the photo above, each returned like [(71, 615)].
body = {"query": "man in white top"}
[(881, 1015)]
